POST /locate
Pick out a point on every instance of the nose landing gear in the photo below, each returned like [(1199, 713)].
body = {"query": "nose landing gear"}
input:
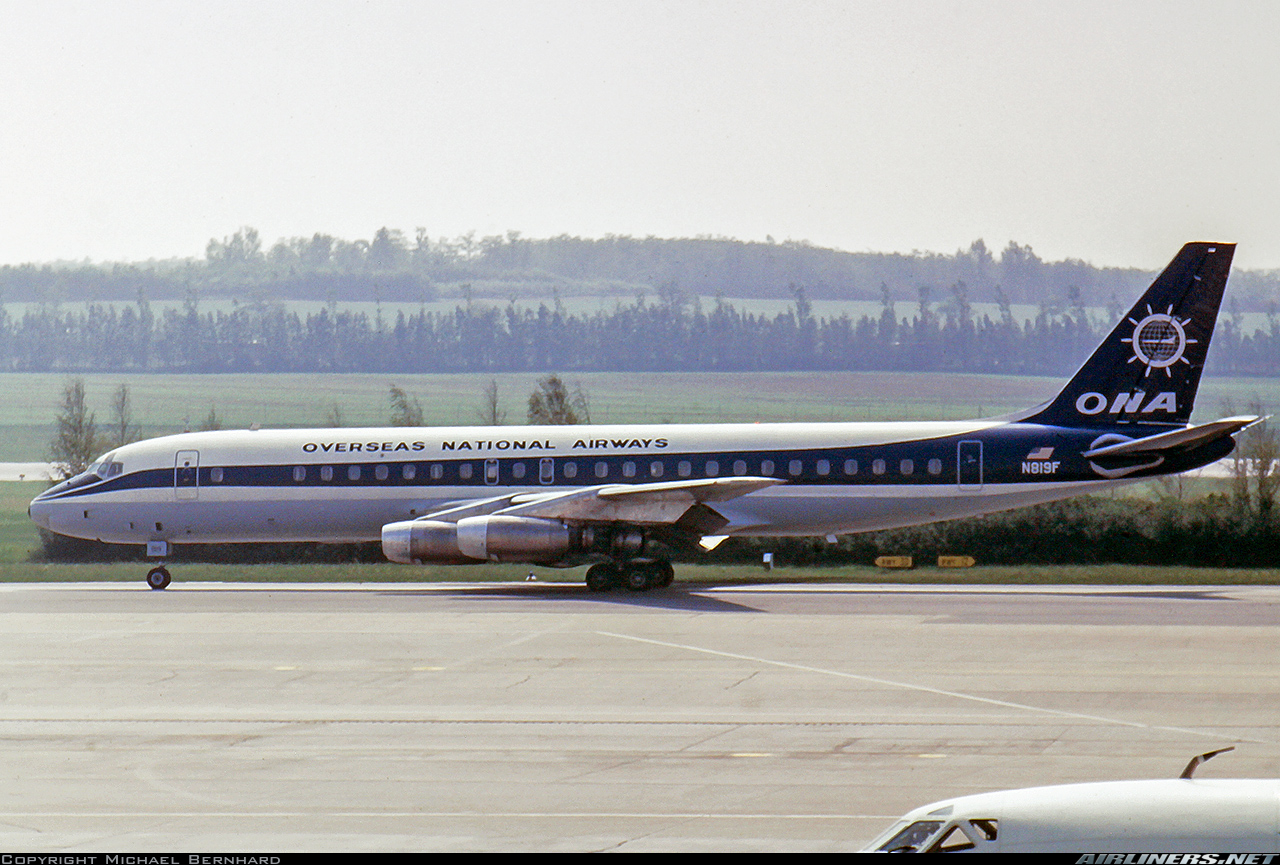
[(158, 577), (638, 576)]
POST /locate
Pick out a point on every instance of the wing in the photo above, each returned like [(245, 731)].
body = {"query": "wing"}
[(555, 525), (654, 504)]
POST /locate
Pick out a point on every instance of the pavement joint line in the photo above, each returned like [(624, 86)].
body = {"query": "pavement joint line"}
[(959, 695), (963, 720), (700, 588), (563, 815)]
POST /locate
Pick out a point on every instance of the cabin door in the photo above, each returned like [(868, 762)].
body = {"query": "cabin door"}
[(969, 466), (186, 475)]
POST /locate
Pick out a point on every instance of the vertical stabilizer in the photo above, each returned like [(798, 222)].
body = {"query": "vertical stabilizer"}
[(1147, 370)]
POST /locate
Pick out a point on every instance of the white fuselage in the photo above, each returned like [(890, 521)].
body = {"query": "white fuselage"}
[(336, 485), (1160, 816)]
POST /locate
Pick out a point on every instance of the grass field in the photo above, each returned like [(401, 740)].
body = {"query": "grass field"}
[(170, 403)]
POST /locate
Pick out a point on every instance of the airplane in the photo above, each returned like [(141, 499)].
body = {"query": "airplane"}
[(1182, 815), (624, 497)]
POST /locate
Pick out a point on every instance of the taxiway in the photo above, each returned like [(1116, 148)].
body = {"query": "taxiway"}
[(539, 716)]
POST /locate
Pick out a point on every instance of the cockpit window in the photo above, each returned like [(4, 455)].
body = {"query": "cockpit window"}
[(911, 838), (953, 842), (988, 828), (102, 466)]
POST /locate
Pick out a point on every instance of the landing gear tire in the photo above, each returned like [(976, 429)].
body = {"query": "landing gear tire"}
[(158, 578), (640, 578), (666, 574), (602, 577)]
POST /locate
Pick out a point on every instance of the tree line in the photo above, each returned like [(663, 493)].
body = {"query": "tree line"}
[(670, 332), (392, 266)]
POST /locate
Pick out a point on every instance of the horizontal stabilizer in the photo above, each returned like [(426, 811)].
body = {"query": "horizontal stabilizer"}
[(1178, 440)]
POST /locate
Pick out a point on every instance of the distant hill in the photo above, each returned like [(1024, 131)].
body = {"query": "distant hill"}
[(392, 267)]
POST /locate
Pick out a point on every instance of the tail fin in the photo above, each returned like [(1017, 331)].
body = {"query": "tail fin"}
[(1148, 369)]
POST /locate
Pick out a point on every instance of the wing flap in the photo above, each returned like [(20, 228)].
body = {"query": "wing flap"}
[(659, 503)]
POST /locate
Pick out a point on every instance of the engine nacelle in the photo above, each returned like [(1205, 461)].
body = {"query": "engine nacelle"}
[(478, 539)]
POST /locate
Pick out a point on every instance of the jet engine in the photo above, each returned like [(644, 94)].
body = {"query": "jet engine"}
[(480, 539)]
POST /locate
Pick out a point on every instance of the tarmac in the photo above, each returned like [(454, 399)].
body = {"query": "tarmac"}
[(220, 717)]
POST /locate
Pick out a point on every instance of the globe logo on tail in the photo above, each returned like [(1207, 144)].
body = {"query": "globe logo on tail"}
[(1159, 341)]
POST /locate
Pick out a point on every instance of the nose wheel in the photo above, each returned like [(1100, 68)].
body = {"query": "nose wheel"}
[(158, 577)]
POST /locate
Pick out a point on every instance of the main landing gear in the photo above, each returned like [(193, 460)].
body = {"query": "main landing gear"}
[(158, 577), (636, 576)]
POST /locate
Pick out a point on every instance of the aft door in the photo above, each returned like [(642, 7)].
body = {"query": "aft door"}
[(969, 466), (186, 475)]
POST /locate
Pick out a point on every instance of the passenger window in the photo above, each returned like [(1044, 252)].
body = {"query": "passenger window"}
[(437, 472), (546, 470), (655, 469), (739, 467), (824, 467), (794, 468), (628, 469), (935, 467), (517, 470), (215, 475), (684, 469), (713, 468), (907, 467), (381, 472), (877, 467), (766, 467), (571, 470), (409, 472), (602, 470), (851, 467), (464, 471), (326, 473), (353, 473), (299, 473)]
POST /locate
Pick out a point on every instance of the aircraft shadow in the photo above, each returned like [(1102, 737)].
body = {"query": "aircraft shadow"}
[(661, 599)]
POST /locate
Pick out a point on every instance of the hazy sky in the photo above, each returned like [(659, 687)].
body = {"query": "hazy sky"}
[(1108, 131)]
